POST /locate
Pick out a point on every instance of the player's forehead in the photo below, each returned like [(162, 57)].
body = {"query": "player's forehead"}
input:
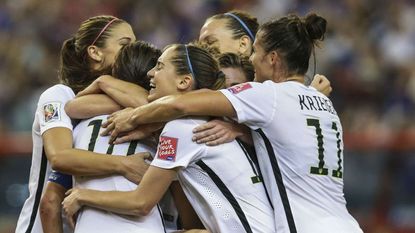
[(257, 42), (167, 54), (122, 31), (214, 28)]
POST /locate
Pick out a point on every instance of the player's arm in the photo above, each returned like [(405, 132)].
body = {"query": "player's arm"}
[(125, 93), (219, 131), (105, 96), (188, 216), (87, 106), (138, 202), (202, 103), (63, 158), (50, 208)]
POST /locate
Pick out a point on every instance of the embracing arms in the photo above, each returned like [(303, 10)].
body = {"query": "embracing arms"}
[(64, 158), (138, 202), (104, 96)]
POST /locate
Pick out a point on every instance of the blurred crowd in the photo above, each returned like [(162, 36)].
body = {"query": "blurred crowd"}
[(368, 55)]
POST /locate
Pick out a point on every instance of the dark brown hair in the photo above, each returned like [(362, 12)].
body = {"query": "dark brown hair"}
[(294, 39), (203, 66), (74, 70), (233, 60), (235, 26), (134, 61)]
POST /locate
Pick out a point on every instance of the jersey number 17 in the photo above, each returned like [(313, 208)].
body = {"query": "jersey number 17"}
[(96, 124)]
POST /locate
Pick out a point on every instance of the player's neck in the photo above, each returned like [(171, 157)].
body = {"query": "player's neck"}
[(296, 78)]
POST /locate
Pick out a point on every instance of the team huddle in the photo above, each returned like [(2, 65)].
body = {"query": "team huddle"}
[(222, 134)]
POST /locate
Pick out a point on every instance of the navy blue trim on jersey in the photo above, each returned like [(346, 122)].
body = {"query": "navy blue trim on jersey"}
[(60, 178), (227, 193), (161, 218), (280, 183), (39, 190)]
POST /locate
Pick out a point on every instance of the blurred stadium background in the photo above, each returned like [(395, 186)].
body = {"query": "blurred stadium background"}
[(368, 54)]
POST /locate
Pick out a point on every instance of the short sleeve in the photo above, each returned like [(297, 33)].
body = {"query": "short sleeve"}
[(51, 108), (253, 102), (175, 147)]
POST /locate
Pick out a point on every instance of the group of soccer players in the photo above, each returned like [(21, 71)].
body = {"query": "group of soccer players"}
[(270, 161)]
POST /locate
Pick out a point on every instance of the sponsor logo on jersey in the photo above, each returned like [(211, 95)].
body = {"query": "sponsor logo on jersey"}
[(239, 88), (51, 111), (167, 148)]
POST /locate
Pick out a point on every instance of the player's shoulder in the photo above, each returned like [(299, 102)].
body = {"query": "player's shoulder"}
[(185, 123), (58, 90), (292, 86), (248, 87)]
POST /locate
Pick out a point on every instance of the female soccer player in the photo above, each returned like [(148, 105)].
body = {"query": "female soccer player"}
[(237, 69), (227, 199), (132, 64), (83, 57), (233, 31), (296, 130)]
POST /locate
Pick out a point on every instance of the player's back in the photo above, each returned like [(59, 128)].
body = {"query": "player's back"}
[(221, 182), (306, 138), (87, 137)]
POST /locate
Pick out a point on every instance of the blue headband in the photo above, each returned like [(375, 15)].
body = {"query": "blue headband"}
[(243, 25), (190, 65)]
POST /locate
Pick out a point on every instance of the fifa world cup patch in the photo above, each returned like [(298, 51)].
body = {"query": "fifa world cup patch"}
[(239, 88), (52, 111), (167, 148)]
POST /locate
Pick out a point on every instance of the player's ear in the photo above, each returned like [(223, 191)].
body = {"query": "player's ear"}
[(185, 82), (244, 44), (94, 53), (273, 58)]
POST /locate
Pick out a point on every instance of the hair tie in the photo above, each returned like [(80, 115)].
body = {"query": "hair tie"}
[(103, 29), (243, 25), (190, 66)]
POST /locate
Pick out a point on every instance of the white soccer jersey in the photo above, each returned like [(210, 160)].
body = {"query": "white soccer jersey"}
[(221, 182), (86, 136), (298, 139), (49, 114)]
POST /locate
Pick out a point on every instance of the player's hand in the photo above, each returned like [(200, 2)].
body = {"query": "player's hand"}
[(93, 88), (134, 166), (216, 132), (71, 205), (143, 131), (322, 84), (118, 122)]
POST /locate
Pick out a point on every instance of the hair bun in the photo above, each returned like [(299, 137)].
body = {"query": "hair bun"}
[(315, 26)]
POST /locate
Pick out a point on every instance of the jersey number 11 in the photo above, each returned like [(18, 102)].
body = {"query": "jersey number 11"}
[(321, 170)]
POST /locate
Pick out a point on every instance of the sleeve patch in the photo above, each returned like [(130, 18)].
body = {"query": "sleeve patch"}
[(167, 148), (52, 111), (239, 88)]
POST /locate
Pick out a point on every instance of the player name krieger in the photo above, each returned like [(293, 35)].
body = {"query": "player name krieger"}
[(316, 103)]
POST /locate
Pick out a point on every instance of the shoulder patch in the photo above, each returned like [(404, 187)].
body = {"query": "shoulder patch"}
[(167, 148), (239, 88), (52, 111)]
